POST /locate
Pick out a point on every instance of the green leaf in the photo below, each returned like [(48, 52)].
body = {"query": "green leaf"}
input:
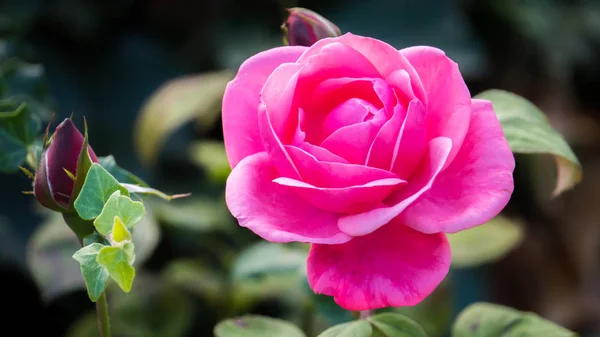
[(491, 320), (84, 163), (94, 274), (528, 131), (485, 243), (268, 258), (176, 103), (50, 253), (130, 213), (122, 175), (360, 328), (256, 326), (18, 129), (118, 261), (99, 185), (395, 325), (148, 190), (211, 156)]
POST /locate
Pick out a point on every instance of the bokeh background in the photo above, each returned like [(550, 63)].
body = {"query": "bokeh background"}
[(147, 75)]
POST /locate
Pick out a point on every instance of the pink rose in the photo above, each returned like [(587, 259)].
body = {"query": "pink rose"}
[(368, 153)]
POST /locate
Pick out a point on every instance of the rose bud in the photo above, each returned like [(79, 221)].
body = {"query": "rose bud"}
[(304, 27), (53, 186)]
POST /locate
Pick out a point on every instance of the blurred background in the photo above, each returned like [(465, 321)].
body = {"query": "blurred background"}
[(148, 76)]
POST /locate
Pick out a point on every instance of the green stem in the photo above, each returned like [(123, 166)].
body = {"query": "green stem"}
[(103, 317)]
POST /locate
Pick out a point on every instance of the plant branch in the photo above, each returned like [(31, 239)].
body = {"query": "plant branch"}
[(103, 317)]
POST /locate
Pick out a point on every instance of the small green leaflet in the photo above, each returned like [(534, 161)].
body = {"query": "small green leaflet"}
[(94, 274), (99, 185), (118, 261), (119, 231), (130, 213)]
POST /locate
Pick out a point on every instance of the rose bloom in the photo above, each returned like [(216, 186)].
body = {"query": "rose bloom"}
[(368, 153)]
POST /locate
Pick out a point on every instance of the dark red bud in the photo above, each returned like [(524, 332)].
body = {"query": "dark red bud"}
[(52, 185), (304, 27)]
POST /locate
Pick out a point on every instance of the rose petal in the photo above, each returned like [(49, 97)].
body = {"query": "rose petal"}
[(320, 153), (383, 57), (328, 98), (448, 102), (332, 92), (381, 151), (351, 199), (475, 187), (332, 175), (394, 266), (400, 81), (354, 141), (241, 100), (63, 154), (274, 212), (277, 152), (350, 112), (412, 142), (277, 96), (367, 222), (335, 60)]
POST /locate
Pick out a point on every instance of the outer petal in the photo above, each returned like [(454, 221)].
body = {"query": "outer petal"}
[(448, 100), (272, 211), (475, 187), (242, 97), (367, 222), (394, 266), (347, 199)]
